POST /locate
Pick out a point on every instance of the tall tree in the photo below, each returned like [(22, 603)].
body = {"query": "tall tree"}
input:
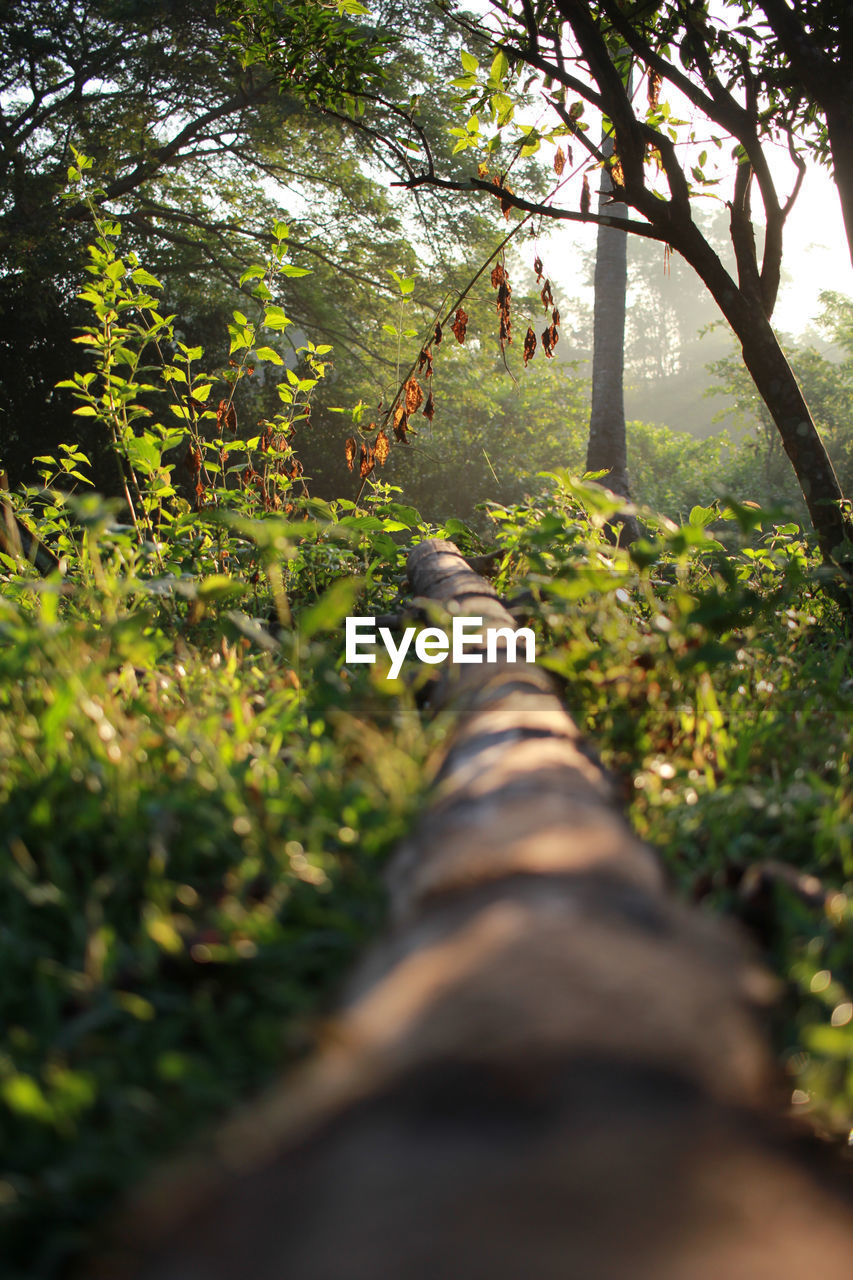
[(806, 63), (607, 448), (569, 42), (196, 155)]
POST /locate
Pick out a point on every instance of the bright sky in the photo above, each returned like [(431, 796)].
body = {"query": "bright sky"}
[(816, 255)]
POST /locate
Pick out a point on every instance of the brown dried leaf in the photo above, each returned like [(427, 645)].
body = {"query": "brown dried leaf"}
[(555, 318), (429, 407), (559, 161), (192, 461), (529, 345), (400, 423), (383, 448), (414, 395), (653, 88), (425, 358), (460, 324), (498, 275), (503, 303), (437, 336), (585, 196), (367, 462), (550, 338), (349, 451), (538, 268), (226, 417), (546, 295)]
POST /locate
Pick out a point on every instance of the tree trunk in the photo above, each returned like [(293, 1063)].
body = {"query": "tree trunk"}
[(780, 391), (839, 123), (607, 449)]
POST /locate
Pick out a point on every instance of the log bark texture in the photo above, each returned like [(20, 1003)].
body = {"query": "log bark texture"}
[(549, 1069)]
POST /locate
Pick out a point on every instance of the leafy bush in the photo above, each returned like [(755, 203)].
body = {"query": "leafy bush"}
[(713, 674), (195, 794)]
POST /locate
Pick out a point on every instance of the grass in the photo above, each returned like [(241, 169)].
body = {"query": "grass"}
[(193, 822), (715, 676), (196, 801)]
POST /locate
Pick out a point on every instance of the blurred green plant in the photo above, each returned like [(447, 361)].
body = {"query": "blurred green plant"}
[(714, 676), (195, 793)]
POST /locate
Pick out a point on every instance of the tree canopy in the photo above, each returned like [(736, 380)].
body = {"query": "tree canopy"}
[(575, 56)]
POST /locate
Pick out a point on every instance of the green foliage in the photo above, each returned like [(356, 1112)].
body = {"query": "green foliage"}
[(195, 793), (713, 676), (324, 49), (193, 817), (826, 377), (198, 156)]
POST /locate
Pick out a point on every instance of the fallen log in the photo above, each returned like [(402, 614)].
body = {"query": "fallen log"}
[(550, 1068)]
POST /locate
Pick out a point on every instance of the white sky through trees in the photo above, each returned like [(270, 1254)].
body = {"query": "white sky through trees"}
[(816, 255)]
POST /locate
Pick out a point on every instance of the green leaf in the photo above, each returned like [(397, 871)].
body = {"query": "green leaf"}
[(218, 586), (141, 276), (268, 353), (499, 68), (275, 318), (701, 516), (469, 62), (503, 107), (329, 611)]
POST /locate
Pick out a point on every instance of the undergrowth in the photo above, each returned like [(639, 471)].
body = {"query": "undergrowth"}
[(195, 805), (714, 674), (196, 797)]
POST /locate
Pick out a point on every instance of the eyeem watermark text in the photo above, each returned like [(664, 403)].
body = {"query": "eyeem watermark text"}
[(465, 643)]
